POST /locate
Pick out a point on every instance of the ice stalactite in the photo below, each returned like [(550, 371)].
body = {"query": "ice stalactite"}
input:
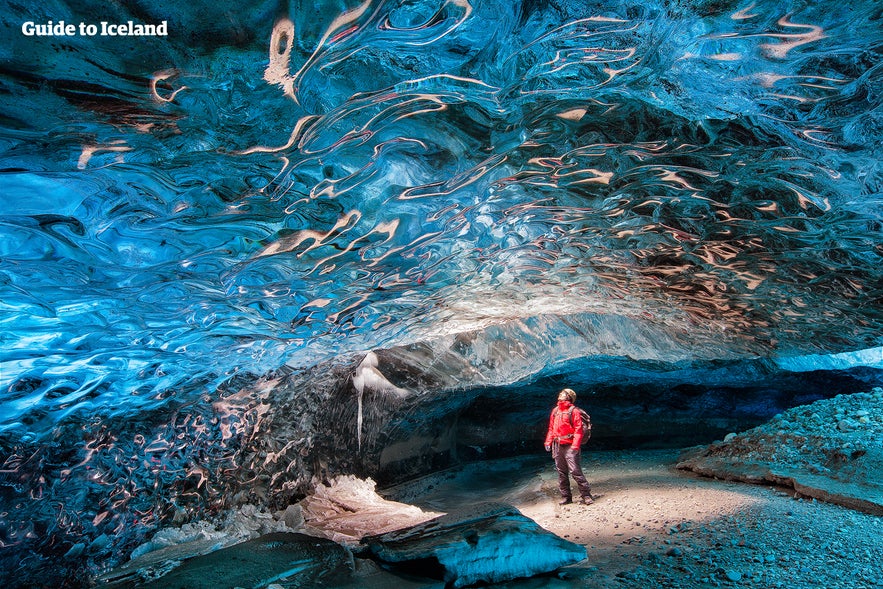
[(368, 377)]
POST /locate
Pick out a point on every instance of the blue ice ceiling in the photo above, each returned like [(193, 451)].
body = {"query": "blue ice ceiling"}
[(276, 184)]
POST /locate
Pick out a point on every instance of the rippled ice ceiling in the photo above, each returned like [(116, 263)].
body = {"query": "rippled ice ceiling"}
[(278, 184)]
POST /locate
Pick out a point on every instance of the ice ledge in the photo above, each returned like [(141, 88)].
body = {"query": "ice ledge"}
[(871, 358)]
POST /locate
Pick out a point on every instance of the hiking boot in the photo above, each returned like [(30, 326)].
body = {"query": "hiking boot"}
[(588, 500), (565, 501)]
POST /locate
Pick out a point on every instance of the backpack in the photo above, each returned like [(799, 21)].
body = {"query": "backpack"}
[(587, 422)]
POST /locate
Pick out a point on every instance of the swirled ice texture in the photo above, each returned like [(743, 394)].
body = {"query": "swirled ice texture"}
[(269, 186), (260, 188)]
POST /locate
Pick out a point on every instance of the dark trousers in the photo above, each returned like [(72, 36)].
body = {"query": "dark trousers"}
[(567, 464)]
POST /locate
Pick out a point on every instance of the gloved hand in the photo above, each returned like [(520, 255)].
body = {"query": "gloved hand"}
[(548, 447)]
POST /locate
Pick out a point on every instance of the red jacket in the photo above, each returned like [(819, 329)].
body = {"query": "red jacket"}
[(565, 425)]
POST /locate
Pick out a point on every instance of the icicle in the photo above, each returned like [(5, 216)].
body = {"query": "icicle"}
[(368, 375), (359, 383)]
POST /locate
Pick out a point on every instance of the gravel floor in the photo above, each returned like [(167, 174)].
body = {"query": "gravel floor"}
[(655, 526)]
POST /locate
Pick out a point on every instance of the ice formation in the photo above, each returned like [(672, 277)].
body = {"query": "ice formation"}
[(290, 241), (349, 508), (487, 543)]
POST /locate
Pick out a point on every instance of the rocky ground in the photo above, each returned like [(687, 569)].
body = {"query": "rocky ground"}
[(831, 450)]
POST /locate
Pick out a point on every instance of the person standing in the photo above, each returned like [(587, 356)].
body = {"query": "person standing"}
[(563, 439)]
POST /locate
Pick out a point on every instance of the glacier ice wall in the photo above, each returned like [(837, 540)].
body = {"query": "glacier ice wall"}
[(283, 186)]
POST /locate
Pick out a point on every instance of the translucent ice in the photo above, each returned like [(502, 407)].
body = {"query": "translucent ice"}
[(186, 218), (287, 188)]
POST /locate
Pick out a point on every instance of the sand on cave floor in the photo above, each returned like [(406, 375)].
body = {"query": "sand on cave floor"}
[(655, 526)]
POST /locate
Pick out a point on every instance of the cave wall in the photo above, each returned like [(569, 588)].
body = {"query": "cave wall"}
[(390, 415), (512, 420)]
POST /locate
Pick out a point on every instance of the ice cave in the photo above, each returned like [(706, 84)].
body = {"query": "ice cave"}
[(288, 289)]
